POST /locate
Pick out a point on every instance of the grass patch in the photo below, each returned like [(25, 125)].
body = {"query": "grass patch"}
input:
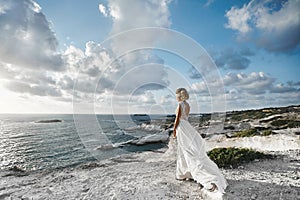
[(233, 157), (246, 133)]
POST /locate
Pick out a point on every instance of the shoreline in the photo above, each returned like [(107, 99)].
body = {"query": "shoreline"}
[(151, 175)]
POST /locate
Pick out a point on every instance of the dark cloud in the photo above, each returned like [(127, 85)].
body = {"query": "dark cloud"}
[(292, 83), (231, 59), (149, 87), (285, 41), (93, 71), (194, 73)]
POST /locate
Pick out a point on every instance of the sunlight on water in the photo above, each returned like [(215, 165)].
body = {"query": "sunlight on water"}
[(32, 146)]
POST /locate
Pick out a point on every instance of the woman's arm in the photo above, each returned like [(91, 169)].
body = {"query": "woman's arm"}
[(178, 114)]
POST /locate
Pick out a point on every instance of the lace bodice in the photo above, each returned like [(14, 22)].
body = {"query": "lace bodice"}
[(184, 115)]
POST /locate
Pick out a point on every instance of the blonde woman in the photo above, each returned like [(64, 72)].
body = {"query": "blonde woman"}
[(192, 160)]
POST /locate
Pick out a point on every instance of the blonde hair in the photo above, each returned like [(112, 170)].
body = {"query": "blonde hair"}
[(182, 94)]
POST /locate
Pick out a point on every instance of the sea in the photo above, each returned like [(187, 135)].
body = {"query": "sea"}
[(30, 142)]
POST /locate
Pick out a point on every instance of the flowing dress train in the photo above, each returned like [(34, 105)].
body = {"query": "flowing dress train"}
[(192, 160)]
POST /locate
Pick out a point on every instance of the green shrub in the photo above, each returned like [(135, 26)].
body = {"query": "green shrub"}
[(266, 132), (280, 122), (233, 157), (293, 124), (286, 123), (246, 133)]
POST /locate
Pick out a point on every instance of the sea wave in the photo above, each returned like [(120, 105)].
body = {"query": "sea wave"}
[(145, 127), (161, 137)]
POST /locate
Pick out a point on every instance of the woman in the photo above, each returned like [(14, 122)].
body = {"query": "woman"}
[(192, 160)]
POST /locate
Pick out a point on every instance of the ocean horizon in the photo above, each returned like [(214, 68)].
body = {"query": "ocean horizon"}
[(35, 142)]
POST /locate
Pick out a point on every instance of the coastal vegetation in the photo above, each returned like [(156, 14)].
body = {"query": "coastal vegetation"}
[(267, 132), (285, 123), (246, 133), (233, 157)]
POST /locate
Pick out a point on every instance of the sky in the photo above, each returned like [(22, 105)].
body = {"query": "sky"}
[(120, 57)]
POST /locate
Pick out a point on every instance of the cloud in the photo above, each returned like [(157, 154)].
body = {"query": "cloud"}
[(123, 76), (167, 100), (281, 88), (257, 86), (194, 74), (124, 72), (238, 19), (26, 37), (30, 63), (208, 3), (22, 87), (199, 87), (147, 98), (102, 9), (142, 78), (7, 72), (133, 14), (150, 13), (292, 83), (273, 25), (65, 82), (89, 69), (4, 8), (253, 83), (252, 90), (291, 98), (231, 59), (133, 74)]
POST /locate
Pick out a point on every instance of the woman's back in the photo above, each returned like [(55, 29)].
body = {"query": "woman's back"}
[(185, 110)]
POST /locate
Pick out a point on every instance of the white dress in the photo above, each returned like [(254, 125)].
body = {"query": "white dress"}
[(192, 160)]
